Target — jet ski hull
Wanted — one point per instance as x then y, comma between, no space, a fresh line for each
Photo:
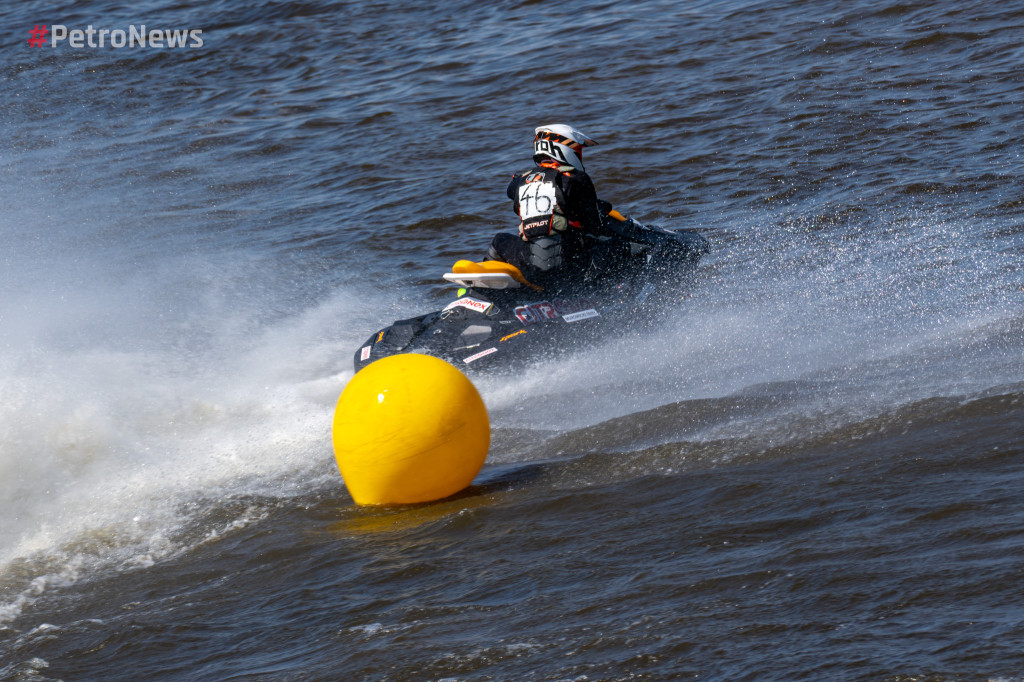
635,279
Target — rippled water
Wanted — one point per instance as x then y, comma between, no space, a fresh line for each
813,471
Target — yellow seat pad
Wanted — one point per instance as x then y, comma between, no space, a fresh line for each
464,266
468,267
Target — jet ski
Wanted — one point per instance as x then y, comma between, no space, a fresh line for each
500,320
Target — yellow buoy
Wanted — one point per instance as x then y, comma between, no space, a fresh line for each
409,428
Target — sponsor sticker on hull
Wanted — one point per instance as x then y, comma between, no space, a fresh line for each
581,315
470,303
645,292
512,335
479,355
545,311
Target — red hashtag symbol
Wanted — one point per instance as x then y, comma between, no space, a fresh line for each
38,34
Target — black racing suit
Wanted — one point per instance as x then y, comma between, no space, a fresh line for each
557,206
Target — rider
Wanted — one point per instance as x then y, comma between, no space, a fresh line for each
556,203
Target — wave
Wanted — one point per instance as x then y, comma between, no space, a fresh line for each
138,398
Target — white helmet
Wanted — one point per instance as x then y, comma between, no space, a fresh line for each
562,143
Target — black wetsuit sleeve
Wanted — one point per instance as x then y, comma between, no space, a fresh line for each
513,191
581,195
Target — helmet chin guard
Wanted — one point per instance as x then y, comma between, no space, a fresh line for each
562,143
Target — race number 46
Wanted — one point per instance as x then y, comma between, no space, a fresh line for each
536,199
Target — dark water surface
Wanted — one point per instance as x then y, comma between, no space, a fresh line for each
814,470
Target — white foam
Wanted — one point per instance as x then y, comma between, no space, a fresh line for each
889,321
135,399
